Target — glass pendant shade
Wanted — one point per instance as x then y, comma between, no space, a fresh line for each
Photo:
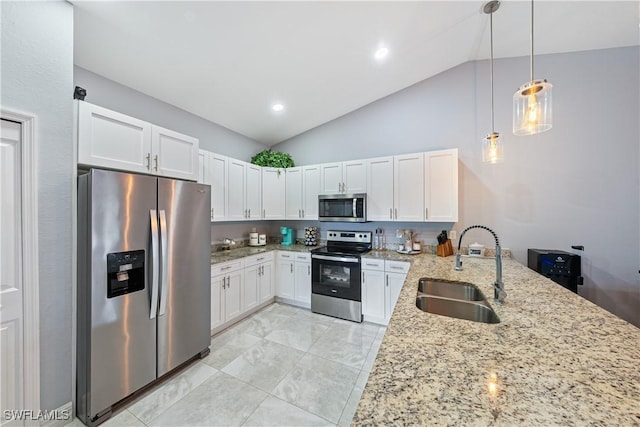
492,148
532,108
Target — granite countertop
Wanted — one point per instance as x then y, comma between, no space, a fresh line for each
555,358
245,251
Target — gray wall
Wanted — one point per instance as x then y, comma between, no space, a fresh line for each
37,77
213,137
575,184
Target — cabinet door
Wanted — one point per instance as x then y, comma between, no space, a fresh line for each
408,187
354,176
273,193
218,166
441,185
373,295
310,191
217,300
293,198
251,287
285,279
113,140
253,194
235,190
233,294
266,281
331,178
302,290
174,155
380,189
203,167
394,284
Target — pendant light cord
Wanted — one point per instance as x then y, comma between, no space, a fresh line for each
531,42
491,67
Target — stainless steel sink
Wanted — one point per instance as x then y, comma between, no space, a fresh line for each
456,290
467,310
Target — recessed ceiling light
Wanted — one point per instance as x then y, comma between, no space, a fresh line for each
381,53
277,107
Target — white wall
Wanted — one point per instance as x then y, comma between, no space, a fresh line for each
37,77
213,137
576,184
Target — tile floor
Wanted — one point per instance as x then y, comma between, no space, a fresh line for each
283,366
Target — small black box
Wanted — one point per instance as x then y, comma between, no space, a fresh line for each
560,266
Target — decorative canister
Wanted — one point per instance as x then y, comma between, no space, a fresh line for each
476,249
311,236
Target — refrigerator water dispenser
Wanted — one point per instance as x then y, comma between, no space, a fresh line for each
125,273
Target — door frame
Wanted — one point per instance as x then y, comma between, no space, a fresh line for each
30,273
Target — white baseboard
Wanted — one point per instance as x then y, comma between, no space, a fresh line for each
59,420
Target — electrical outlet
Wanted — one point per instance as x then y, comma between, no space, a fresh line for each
453,234
399,234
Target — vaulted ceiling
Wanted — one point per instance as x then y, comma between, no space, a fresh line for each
229,62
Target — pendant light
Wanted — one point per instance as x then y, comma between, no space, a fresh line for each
492,144
532,102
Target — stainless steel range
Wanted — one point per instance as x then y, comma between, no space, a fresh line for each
336,272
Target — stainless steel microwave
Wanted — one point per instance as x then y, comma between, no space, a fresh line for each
342,207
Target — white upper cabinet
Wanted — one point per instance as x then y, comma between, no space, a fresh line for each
253,192
310,191
380,189
236,189
113,140
343,177
217,173
293,196
273,193
441,185
203,167
408,187
174,154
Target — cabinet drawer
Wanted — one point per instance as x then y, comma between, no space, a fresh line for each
226,267
372,264
285,255
397,267
304,257
258,259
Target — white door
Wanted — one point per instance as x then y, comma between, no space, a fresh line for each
303,282
174,155
273,193
285,279
113,140
218,166
11,289
331,178
293,198
355,176
203,167
251,287
408,187
441,185
233,295
253,193
236,190
373,293
395,281
310,191
266,281
380,189
217,301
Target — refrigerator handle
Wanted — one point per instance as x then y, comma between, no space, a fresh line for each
155,262
165,263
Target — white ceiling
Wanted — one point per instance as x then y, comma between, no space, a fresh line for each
228,62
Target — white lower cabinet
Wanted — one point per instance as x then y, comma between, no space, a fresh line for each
382,282
293,278
258,278
227,282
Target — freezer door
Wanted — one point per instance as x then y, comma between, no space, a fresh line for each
185,305
121,341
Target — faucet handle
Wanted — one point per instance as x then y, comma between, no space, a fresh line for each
458,266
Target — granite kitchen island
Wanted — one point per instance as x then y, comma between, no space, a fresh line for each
554,358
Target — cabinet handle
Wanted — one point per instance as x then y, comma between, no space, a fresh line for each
387,280
155,159
395,267
373,265
299,213
302,213
148,161
249,213
260,259
211,213
224,283
264,213
292,267
309,270
225,268
262,269
396,210
363,277
426,213
390,213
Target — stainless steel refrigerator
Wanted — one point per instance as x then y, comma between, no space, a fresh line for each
143,283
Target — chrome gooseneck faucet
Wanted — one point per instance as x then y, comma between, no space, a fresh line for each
499,293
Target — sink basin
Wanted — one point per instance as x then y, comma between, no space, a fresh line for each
467,310
455,290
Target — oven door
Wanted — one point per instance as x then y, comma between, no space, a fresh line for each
336,276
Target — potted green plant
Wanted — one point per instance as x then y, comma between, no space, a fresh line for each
273,159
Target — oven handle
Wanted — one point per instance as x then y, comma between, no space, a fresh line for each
333,258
